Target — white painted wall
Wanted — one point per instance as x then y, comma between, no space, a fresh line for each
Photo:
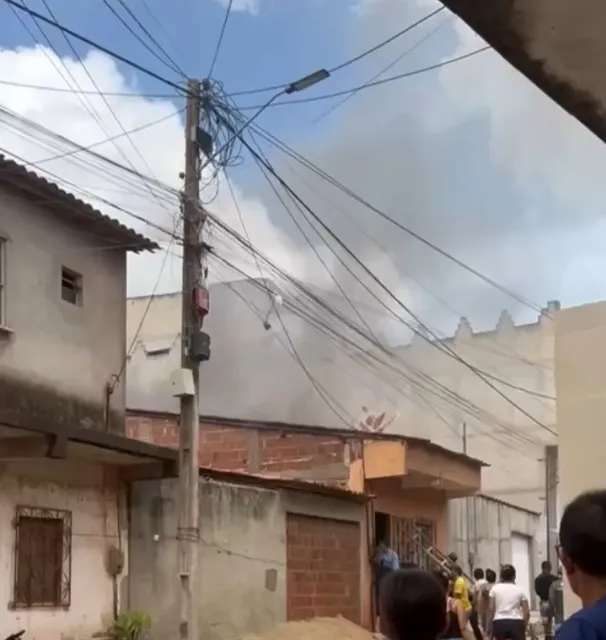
90,492
493,528
69,348
521,560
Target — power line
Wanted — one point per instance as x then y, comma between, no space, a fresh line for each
313,318
95,45
389,40
350,61
301,159
137,37
111,94
89,147
440,346
376,83
384,70
221,36
175,66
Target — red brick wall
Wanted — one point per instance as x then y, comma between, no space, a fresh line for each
322,568
227,448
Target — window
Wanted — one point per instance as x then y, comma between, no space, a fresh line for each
2,282
71,286
42,558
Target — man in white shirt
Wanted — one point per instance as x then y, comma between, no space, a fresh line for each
509,609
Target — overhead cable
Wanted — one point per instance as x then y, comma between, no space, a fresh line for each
428,338
350,61
95,45
289,151
221,36
389,40
368,85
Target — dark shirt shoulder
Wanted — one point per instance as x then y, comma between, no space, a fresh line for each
542,583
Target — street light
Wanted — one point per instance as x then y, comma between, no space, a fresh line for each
307,81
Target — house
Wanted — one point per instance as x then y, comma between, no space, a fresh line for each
580,352
62,350
62,305
252,376
271,550
411,479
64,526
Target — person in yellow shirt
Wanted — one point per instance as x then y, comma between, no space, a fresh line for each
460,590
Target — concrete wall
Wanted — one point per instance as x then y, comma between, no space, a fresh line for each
484,526
59,357
242,555
580,351
91,493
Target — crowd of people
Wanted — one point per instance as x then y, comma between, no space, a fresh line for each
414,604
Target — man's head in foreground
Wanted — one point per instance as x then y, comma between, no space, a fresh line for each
582,547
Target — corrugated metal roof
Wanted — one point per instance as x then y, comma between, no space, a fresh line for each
264,482
19,177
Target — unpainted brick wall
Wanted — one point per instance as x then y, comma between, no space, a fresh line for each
228,448
322,568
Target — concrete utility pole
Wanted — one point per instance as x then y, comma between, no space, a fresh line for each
468,528
551,502
191,323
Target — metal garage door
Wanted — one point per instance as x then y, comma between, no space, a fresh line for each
322,568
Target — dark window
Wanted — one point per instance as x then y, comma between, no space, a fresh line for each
42,558
71,286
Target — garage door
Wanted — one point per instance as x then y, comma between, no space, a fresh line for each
520,559
322,568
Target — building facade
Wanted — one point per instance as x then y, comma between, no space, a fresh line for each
62,346
62,305
581,391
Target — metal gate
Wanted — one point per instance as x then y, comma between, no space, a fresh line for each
403,543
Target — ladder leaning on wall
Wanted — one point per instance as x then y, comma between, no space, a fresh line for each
439,560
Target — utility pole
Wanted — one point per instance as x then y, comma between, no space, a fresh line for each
551,502
470,559
191,324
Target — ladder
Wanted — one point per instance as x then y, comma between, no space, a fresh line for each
440,560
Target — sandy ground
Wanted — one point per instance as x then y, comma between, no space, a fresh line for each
315,629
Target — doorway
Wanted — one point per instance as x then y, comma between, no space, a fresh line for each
382,528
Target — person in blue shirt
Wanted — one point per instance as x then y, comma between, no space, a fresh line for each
582,552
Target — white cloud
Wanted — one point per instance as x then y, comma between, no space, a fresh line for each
252,6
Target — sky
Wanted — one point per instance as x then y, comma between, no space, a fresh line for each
471,156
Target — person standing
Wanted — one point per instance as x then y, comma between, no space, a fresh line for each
542,584
460,590
480,596
509,610
456,627
385,560
582,552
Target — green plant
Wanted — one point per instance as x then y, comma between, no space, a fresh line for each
131,625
